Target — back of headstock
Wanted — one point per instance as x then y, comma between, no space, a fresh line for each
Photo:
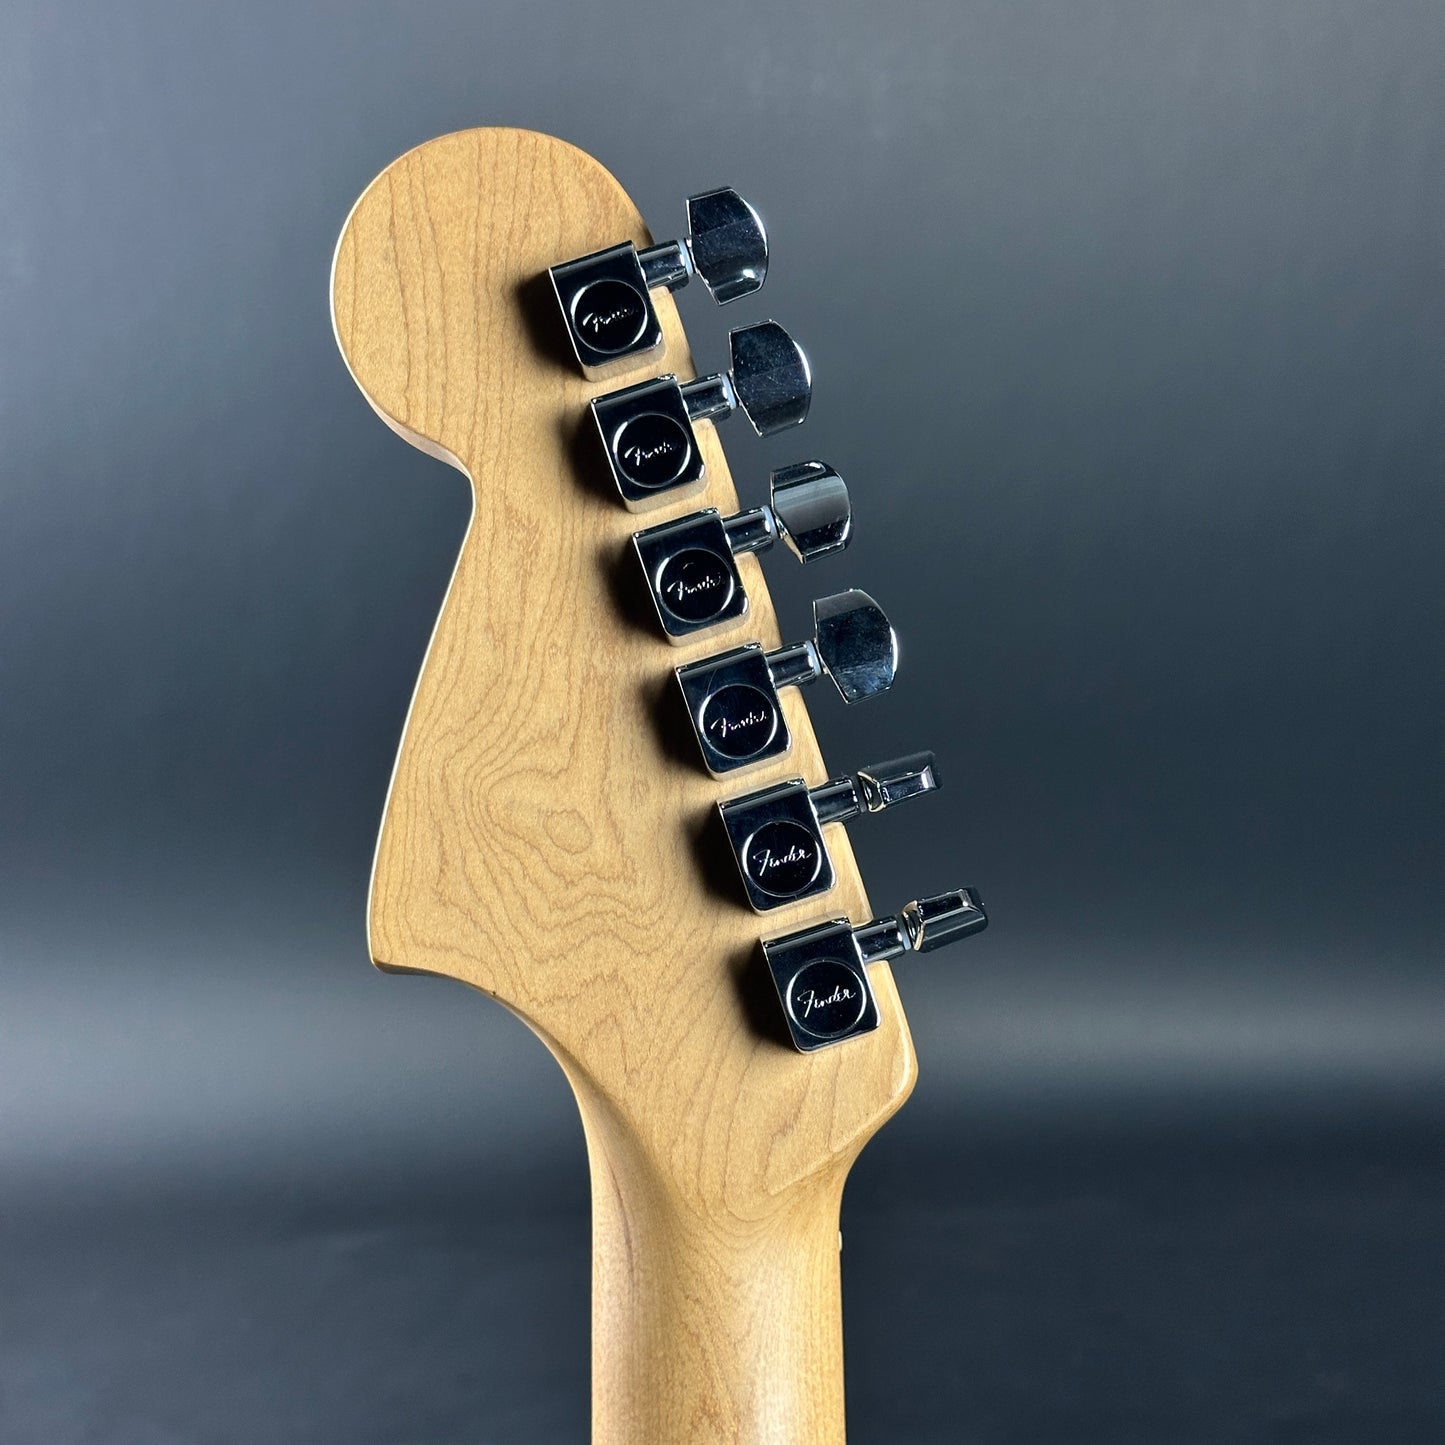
551,837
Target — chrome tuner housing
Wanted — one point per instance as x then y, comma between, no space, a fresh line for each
646,430
689,564
777,836
821,972
604,300
732,698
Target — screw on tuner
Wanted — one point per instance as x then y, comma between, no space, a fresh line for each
732,698
647,429
604,296
777,834
821,973
688,562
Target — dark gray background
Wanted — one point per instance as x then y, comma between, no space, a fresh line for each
1126,323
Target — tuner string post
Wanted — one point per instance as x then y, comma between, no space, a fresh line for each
668,264
837,800
755,530
879,939
795,666
709,398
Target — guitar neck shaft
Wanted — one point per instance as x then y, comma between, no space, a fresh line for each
709,1329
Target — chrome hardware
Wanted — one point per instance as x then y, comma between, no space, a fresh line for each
821,973
857,646
876,787
728,244
604,297
777,834
732,698
647,429
811,510
689,565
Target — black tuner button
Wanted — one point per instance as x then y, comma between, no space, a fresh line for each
604,297
821,972
777,834
646,430
732,698
688,563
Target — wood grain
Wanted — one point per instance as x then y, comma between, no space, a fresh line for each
548,833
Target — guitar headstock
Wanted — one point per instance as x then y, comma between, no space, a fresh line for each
551,836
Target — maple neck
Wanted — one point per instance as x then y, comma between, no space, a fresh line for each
546,833
710,1326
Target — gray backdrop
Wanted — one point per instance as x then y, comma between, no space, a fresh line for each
1126,327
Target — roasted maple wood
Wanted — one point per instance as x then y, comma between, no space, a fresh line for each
546,834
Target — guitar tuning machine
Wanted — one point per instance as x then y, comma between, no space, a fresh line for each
777,834
821,973
688,563
604,296
647,429
732,698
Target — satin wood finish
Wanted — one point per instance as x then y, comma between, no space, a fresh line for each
541,836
